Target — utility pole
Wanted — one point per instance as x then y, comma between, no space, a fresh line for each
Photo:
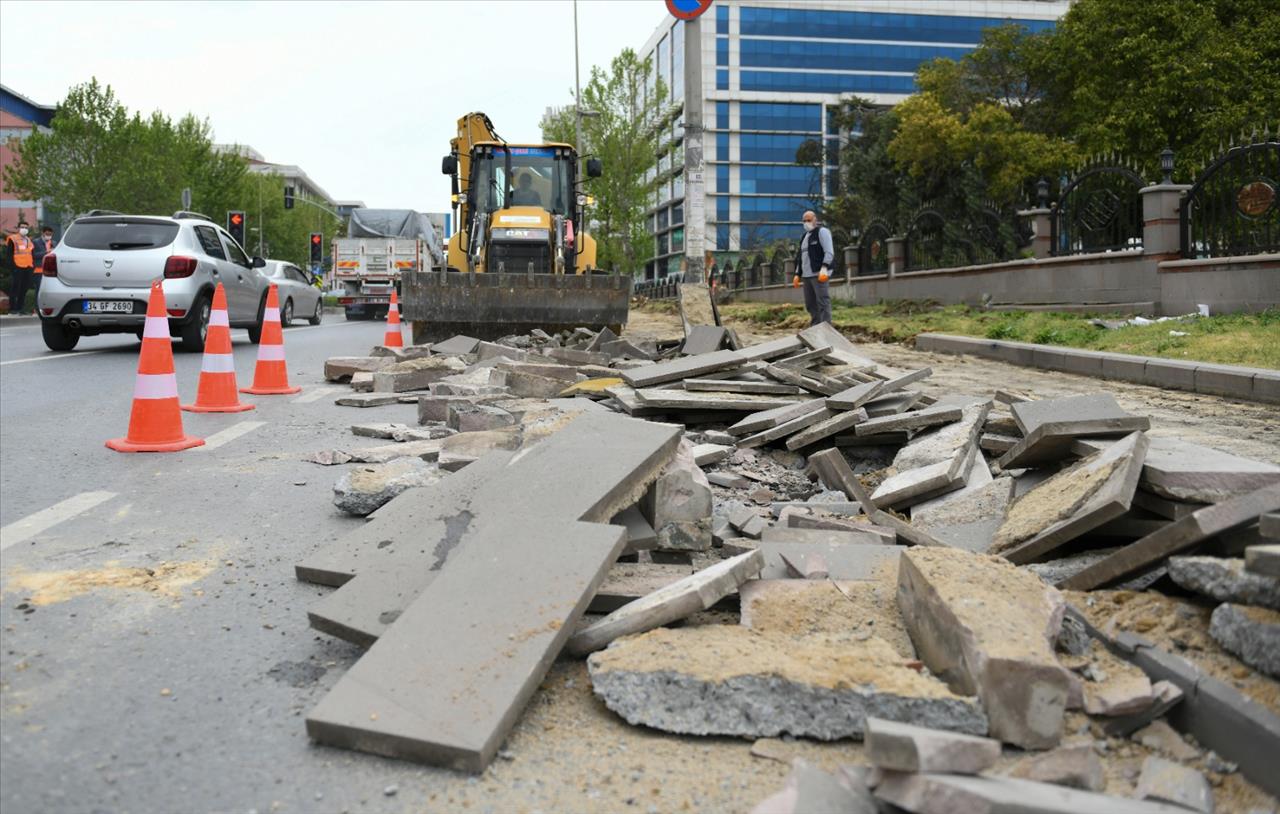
577,93
261,222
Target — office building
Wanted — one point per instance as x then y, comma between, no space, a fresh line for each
750,81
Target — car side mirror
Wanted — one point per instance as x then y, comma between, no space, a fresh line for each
449,165
595,168
257,263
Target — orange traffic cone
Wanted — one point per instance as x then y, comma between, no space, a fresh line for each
271,376
155,424
217,391
393,338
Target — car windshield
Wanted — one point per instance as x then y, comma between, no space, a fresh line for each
539,177
120,234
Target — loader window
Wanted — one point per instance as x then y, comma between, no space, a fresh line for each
547,185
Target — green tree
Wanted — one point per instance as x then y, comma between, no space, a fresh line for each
624,134
286,233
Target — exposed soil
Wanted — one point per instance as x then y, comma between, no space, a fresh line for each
49,587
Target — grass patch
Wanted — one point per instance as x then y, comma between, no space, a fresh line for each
1252,340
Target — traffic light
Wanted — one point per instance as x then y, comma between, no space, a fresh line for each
235,226
317,248
288,197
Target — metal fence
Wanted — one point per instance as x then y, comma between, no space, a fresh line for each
1231,209
1099,210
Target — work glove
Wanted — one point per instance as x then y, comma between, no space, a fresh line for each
795,281
823,274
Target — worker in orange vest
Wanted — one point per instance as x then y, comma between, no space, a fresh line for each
44,246
20,250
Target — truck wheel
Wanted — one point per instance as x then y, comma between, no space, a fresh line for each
286,315
315,319
196,329
57,336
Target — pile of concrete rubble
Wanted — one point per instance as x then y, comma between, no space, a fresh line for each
919,571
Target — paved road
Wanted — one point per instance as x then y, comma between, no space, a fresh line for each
156,655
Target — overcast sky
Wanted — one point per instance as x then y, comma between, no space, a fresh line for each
362,96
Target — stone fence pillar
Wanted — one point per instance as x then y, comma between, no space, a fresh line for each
852,259
1042,228
897,255
1161,230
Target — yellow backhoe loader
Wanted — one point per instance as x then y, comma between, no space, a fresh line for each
519,259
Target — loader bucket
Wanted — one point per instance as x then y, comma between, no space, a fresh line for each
441,304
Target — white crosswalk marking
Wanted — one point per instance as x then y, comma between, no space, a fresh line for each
229,434
31,525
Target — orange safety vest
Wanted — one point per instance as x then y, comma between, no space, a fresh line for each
22,247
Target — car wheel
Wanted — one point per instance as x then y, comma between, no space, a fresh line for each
255,332
315,320
195,330
286,316
57,336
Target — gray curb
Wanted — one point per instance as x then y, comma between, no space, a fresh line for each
1252,383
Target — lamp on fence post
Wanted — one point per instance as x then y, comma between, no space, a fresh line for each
1166,165
1042,193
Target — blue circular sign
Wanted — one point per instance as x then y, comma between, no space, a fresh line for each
687,9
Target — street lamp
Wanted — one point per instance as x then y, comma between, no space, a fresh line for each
1166,164
1042,193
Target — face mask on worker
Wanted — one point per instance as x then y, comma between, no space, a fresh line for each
809,226
48,235
22,230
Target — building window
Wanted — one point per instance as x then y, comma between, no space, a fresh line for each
833,122
833,152
722,238
772,209
722,19
677,240
770,148
677,214
677,187
779,116
662,243
722,115
722,208
722,146
663,63
722,79
869,25
776,180
677,61
662,219
722,178
846,56
761,235
789,82
722,51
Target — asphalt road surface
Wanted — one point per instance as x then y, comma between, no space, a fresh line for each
156,655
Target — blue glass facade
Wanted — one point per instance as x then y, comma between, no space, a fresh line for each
770,77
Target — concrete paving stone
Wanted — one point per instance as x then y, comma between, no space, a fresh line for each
1250,634
883,439
809,790
905,747
1160,736
604,335
1269,525
704,339
1029,415
696,592
366,400
431,433
1133,524
913,419
773,349
687,400
1177,536
970,519
1124,367
729,480
842,560
1077,767
903,489
1162,506
842,350
492,350
362,382
377,430
683,368
834,471
896,383
621,348
626,582
1115,688
468,417
459,345
577,358
960,794
803,521
1263,560
678,503
768,419
788,428
736,386
841,536
1072,502
457,451
805,358
826,428
708,454
626,398
1169,782
1053,441
342,368
934,462
998,645
1171,374
415,374
640,535
1224,380
1226,580
753,527
727,680
428,450
1166,695
855,396
361,490
1194,473
977,477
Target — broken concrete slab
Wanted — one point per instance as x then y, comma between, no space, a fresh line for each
428,450
809,790
998,645
768,419
1052,441
377,430
1171,782
834,471
860,608
961,794
366,400
465,416
457,451
840,560
893,404
729,480
1159,735
921,483
678,503
704,339
1163,506
690,400
361,490
342,368
738,386
896,383
1250,634
1269,525
1072,502
708,454
1076,767
845,352
903,747
835,424
627,581
806,419
913,419
1263,560
934,462
669,604
1114,687
577,358
640,535
532,385
1029,415
855,396
1177,536
773,349
1166,694
1193,473
727,680
969,521
415,374
683,368
844,536
1226,580
456,346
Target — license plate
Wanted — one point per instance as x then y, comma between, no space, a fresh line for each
108,306
378,300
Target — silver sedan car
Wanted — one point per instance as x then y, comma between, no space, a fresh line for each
298,297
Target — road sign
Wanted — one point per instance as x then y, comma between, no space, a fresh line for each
235,226
687,9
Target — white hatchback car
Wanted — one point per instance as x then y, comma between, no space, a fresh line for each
297,295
